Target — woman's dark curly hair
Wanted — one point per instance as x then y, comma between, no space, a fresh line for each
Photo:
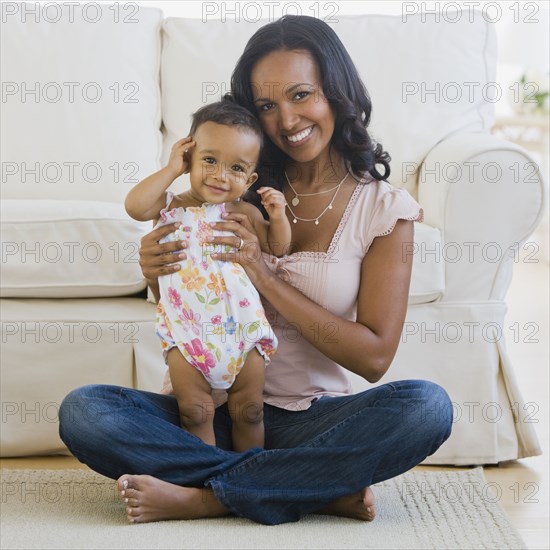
342,87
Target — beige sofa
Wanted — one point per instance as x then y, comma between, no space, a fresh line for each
90,107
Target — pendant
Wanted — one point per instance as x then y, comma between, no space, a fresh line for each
295,201
317,222
294,220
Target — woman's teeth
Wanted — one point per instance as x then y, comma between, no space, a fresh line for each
300,136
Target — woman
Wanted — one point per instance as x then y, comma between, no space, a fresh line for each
337,302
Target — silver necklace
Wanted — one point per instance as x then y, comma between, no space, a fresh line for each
329,207
296,201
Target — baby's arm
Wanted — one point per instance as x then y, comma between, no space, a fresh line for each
275,235
147,198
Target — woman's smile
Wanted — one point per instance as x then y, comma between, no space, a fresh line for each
300,137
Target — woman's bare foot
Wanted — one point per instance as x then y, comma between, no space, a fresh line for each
359,505
150,499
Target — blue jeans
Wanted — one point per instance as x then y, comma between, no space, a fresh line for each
311,458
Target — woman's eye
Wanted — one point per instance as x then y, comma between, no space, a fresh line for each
265,107
301,95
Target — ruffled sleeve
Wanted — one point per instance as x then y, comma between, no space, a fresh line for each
166,215
393,203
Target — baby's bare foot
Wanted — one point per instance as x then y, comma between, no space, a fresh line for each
150,499
359,505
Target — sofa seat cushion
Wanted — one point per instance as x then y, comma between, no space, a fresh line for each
87,249
64,249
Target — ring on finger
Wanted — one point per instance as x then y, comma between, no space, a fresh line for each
241,243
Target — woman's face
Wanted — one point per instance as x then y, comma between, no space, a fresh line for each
291,106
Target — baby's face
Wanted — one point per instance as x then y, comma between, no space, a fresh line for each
223,162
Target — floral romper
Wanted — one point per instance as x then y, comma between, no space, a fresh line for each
209,309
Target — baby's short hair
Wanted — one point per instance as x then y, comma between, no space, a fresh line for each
227,113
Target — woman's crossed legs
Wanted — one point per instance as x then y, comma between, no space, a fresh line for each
352,441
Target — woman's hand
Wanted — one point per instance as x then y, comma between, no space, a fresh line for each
248,252
160,259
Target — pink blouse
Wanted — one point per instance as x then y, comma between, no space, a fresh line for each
298,372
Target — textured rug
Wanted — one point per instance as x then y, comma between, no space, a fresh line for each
79,509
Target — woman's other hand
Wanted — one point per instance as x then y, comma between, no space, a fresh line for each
247,246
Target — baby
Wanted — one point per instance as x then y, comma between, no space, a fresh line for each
212,326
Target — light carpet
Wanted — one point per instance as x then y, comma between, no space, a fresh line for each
80,509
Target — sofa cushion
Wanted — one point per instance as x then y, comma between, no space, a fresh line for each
419,97
80,99
63,249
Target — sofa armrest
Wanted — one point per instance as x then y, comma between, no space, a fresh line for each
486,196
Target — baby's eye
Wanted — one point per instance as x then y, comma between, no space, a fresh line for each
237,168
209,160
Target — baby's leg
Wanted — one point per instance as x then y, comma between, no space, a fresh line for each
246,405
194,397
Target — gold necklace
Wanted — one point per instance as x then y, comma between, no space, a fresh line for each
329,207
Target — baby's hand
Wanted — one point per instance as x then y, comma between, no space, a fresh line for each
273,201
179,161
